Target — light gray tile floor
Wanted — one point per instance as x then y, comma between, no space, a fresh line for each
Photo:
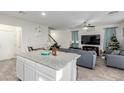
101,72
8,70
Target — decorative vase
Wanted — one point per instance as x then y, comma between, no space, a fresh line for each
54,51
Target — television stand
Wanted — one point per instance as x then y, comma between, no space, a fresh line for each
74,48
91,48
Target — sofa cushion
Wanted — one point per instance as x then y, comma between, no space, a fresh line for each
122,53
108,52
64,50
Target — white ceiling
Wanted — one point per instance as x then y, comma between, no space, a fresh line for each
68,19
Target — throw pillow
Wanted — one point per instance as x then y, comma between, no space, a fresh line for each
122,53
116,52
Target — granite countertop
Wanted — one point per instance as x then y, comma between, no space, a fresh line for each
54,62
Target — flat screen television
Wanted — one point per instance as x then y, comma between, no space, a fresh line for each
90,39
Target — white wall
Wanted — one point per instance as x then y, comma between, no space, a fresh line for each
29,36
120,34
63,37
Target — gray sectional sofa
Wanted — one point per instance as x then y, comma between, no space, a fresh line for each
87,59
115,60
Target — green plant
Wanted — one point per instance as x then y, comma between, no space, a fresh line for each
113,44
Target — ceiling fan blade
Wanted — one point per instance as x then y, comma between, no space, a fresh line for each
90,26
84,23
79,25
51,28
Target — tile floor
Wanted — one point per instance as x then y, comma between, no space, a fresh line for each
101,72
8,70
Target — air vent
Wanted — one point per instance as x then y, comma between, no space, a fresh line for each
51,28
21,12
113,13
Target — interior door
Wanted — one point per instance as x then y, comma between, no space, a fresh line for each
7,44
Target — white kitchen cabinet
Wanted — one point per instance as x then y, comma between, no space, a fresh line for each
25,69
29,73
41,68
20,69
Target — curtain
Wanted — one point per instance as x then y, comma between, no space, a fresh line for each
75,40
109,32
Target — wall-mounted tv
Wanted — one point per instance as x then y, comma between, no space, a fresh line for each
90,39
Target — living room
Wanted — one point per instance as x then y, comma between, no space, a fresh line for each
54,36
76,44
104,31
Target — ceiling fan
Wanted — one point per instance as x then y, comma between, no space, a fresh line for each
86,26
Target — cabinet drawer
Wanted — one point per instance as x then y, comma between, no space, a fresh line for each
46,70
43,77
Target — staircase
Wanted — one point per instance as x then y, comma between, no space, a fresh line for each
55,44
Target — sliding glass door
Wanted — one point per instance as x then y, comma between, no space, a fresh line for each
75,40
109,32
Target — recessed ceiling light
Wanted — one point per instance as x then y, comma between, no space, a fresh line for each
43,14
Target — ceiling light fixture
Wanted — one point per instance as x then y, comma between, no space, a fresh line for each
43,14
85,28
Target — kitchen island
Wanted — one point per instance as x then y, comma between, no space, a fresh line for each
32,66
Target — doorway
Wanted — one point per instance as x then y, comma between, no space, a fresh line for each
10,41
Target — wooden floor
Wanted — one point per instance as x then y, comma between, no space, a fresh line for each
101,72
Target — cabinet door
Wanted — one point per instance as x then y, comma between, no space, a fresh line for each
19,69
29,73
42,77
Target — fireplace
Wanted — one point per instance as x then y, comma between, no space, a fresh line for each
91,48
